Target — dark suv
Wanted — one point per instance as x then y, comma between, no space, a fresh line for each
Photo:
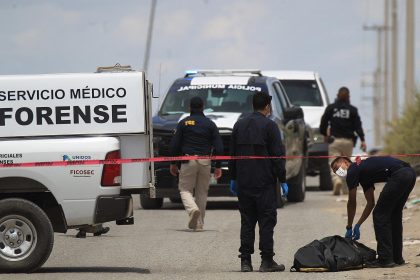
228,96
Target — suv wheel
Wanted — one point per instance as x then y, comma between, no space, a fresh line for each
26,236
297,185
150,203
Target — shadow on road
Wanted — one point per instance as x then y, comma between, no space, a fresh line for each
94,269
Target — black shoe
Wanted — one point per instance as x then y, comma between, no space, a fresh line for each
380,264
246,265
400,262
271,266
81,234
101,231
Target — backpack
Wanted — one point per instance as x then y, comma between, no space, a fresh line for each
333,253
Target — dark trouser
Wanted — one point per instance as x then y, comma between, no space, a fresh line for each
387,215
258,207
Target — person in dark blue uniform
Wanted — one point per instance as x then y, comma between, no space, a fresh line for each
400,179
196,135
255,181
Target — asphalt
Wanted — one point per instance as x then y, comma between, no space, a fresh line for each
158,246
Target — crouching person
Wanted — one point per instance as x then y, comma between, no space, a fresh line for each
399,180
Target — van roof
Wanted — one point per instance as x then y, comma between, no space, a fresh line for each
291,75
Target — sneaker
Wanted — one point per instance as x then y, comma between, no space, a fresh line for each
271,266
101,231
81,234
380,264
246,265
194,215
199,227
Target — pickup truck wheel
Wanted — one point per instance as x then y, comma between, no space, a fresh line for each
26,236
150,203
297,186
325,183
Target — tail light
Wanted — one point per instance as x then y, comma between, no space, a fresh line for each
111,174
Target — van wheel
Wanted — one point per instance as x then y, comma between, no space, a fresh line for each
325,183
26,236
150,203
297,186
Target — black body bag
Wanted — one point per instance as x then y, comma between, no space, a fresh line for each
333,253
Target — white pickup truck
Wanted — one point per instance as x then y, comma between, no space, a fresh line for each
69,117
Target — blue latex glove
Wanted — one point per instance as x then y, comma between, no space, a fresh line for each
232,187
285,189
349,233
356,232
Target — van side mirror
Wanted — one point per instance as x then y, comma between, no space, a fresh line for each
293,113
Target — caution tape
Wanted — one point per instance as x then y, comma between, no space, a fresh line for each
171,159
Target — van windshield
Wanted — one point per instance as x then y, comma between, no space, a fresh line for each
303,92
217,98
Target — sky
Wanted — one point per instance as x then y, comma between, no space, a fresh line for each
63,36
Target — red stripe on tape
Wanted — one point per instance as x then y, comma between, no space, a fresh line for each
163,159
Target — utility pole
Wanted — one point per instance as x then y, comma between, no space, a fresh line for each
409,54
386,69
394,62
377,86
149,35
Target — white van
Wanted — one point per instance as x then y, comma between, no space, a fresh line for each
306,89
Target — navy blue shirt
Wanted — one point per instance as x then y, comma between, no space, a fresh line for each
372,170
343,119
257,135
196,135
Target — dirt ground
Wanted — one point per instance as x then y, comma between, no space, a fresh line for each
411,223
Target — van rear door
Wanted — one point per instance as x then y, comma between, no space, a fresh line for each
139,177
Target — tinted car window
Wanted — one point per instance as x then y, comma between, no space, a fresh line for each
303,92
217,98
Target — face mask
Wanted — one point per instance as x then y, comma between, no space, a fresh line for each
341,172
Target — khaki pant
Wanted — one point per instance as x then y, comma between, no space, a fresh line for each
194,177
340,147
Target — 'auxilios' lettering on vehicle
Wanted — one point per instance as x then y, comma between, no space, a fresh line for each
65,115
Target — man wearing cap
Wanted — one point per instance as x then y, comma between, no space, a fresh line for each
400,179
196,135
254,181
339,123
